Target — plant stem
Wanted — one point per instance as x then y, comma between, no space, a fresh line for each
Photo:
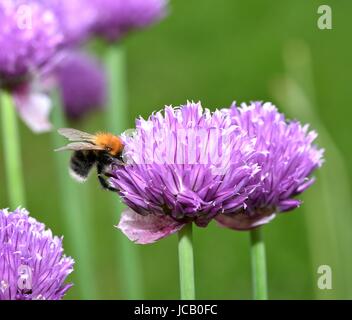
117,122
74,212
186,263
12,151
258,265
117,114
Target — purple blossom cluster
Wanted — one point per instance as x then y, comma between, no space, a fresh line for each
32,264
33,31
30,35
287,157
35,35
239,166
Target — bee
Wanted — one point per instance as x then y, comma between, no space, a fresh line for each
101,150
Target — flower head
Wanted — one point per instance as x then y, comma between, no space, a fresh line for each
184,165
115,18
32,264
287,157
30,36
82,83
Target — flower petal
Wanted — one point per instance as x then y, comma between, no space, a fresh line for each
34,109
147,229
304,186
242,221
289,204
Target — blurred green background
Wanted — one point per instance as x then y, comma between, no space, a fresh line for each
217,52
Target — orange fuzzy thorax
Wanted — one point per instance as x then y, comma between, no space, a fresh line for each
109,142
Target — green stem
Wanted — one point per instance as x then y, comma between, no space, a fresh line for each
117,114
117,122
12,151
130,267
258,265
74,212
186,263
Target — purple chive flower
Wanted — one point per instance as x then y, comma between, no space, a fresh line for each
115,18
30,36
184,165
32,264
82,83
287,157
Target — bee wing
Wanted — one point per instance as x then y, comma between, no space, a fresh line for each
75,135
75,146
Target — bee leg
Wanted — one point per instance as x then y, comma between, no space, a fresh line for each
105,184
101,177
109,175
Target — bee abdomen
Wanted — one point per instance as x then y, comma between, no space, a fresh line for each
81,163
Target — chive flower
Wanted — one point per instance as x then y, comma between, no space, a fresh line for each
115,18
183,165
32,264
287,157
82,84
30,37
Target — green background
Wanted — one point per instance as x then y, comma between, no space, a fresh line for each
217,52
